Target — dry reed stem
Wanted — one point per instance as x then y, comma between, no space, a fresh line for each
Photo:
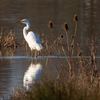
93,63
73,39
69,59
71,49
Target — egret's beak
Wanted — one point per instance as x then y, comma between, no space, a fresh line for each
18,21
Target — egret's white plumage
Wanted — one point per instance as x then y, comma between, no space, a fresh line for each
32,38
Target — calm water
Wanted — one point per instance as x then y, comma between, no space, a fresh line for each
14,70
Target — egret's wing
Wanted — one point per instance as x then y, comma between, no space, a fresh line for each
33,37
33,41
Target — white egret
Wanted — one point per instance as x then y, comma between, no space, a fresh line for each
31,38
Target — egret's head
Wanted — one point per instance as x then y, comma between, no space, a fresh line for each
25,21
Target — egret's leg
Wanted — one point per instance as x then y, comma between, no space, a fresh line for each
35,56
36,60
32,53
36,53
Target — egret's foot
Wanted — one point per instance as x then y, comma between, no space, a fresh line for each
35,57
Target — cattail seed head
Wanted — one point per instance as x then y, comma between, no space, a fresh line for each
61,36
50,24
72,36
80,54
65,26
72,45
75,18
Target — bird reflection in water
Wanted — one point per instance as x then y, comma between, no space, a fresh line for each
32,75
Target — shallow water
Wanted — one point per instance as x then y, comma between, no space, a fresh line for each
14,64
13,72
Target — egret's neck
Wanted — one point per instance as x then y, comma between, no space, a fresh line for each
25,29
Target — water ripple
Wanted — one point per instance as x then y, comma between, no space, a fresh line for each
40,57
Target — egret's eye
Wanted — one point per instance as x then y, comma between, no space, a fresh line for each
22,21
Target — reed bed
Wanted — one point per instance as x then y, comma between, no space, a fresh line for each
8,39
8,43
82,81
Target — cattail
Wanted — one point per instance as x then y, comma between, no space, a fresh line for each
75,18
65,27
50,24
